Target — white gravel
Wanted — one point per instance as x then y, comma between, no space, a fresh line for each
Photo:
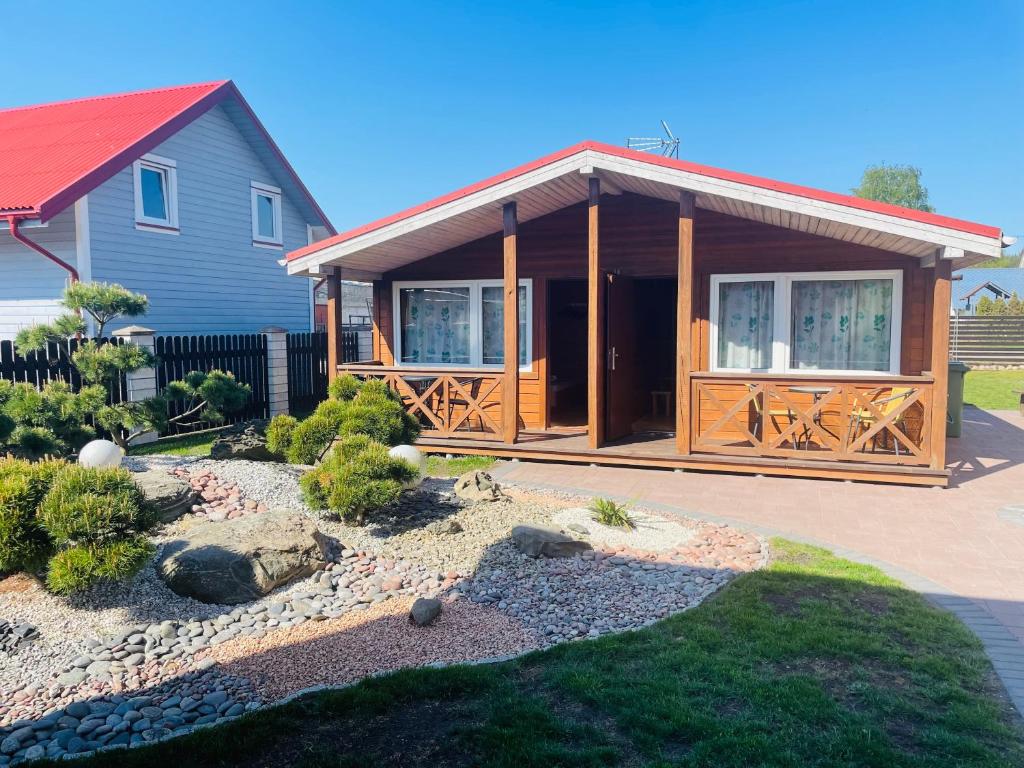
649,532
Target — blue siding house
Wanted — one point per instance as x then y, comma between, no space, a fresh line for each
177,193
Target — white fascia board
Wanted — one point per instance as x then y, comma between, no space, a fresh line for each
920,231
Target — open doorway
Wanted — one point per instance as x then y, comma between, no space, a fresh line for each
641,356
567,352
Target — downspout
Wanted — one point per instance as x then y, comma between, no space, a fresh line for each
12,222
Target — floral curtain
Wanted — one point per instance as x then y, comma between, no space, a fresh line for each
435,325
745,323
841,324
493,313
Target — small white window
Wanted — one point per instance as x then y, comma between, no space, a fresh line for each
266,215
156,194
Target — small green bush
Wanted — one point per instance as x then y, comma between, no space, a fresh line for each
333,410
79,567
93,506
279,434
24,543
378,413
608,512
344,387
310,439
358,478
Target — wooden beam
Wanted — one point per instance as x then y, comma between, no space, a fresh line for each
684,321
335,354
596,343
941,288
510,396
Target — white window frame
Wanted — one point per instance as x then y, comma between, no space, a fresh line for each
476,342
782,319
257,188
169,169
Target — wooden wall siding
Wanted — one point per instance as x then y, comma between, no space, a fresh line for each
639,237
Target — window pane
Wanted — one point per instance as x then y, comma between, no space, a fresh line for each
154,193
745,324
435,325
493,313
842,324
265,216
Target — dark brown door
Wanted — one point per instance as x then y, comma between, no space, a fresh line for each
621,359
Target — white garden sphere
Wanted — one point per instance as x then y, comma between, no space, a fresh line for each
100,454
411,456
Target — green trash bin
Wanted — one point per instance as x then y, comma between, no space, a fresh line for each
955,404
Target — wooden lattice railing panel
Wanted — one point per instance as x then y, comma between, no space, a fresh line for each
879,420
450,403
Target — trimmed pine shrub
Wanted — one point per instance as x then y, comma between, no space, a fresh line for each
333,410
378,413
93,506
316,484
310,439
79,567
279,434
24,543
344,387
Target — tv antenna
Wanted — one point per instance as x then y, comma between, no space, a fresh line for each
667,147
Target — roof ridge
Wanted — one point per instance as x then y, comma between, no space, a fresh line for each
211,85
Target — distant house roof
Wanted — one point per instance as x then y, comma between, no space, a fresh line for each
559,179
1003,281
52,154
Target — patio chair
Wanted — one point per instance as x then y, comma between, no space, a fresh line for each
886,400
774,414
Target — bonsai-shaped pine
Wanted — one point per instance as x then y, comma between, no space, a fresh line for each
204,396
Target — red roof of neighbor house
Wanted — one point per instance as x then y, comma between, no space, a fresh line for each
52,154
667,162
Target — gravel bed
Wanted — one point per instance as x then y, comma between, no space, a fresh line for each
113,666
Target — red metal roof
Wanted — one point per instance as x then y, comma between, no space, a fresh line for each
52,154
667,162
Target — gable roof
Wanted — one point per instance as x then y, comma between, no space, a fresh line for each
52,154
558,179
1006,280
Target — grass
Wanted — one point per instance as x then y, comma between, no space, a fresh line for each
994,390
439,466
813,662
187,445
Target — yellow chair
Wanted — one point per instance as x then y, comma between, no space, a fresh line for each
773,414
886,400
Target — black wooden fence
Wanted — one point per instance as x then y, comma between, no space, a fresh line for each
307,371
987,340
37,368
244,355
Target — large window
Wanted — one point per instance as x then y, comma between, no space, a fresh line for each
825,322
458,323
156,193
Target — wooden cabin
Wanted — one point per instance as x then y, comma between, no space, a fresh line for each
666,314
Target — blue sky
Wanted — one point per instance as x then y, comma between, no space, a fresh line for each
380,106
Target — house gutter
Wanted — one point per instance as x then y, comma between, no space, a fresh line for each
12,222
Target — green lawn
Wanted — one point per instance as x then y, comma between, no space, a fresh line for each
188,445
815,661
994,390
439,466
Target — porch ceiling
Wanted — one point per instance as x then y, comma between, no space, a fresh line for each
561,180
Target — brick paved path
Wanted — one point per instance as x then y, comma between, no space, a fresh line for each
961,546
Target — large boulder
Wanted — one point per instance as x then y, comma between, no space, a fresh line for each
546,542
424,611
478,486
247,440
243,559
169,495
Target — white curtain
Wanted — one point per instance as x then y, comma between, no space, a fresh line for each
841,324
435,325
493,324
745,322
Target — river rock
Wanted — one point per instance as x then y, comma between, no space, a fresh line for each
243,559
478,486
244,441
424,611
546,542
169,495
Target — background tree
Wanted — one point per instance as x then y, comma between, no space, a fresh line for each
895,184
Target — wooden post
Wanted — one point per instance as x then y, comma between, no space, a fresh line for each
684,321
335,340
510,396
596,343
941,287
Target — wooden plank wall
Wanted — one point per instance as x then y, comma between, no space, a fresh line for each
639,237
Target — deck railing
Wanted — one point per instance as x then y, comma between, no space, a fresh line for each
451,403
883,420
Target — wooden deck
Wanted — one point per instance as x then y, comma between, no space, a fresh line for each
658,450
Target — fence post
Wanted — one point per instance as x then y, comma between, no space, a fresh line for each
141,384
277,370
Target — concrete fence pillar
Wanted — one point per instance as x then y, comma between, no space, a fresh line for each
141,384
277,369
